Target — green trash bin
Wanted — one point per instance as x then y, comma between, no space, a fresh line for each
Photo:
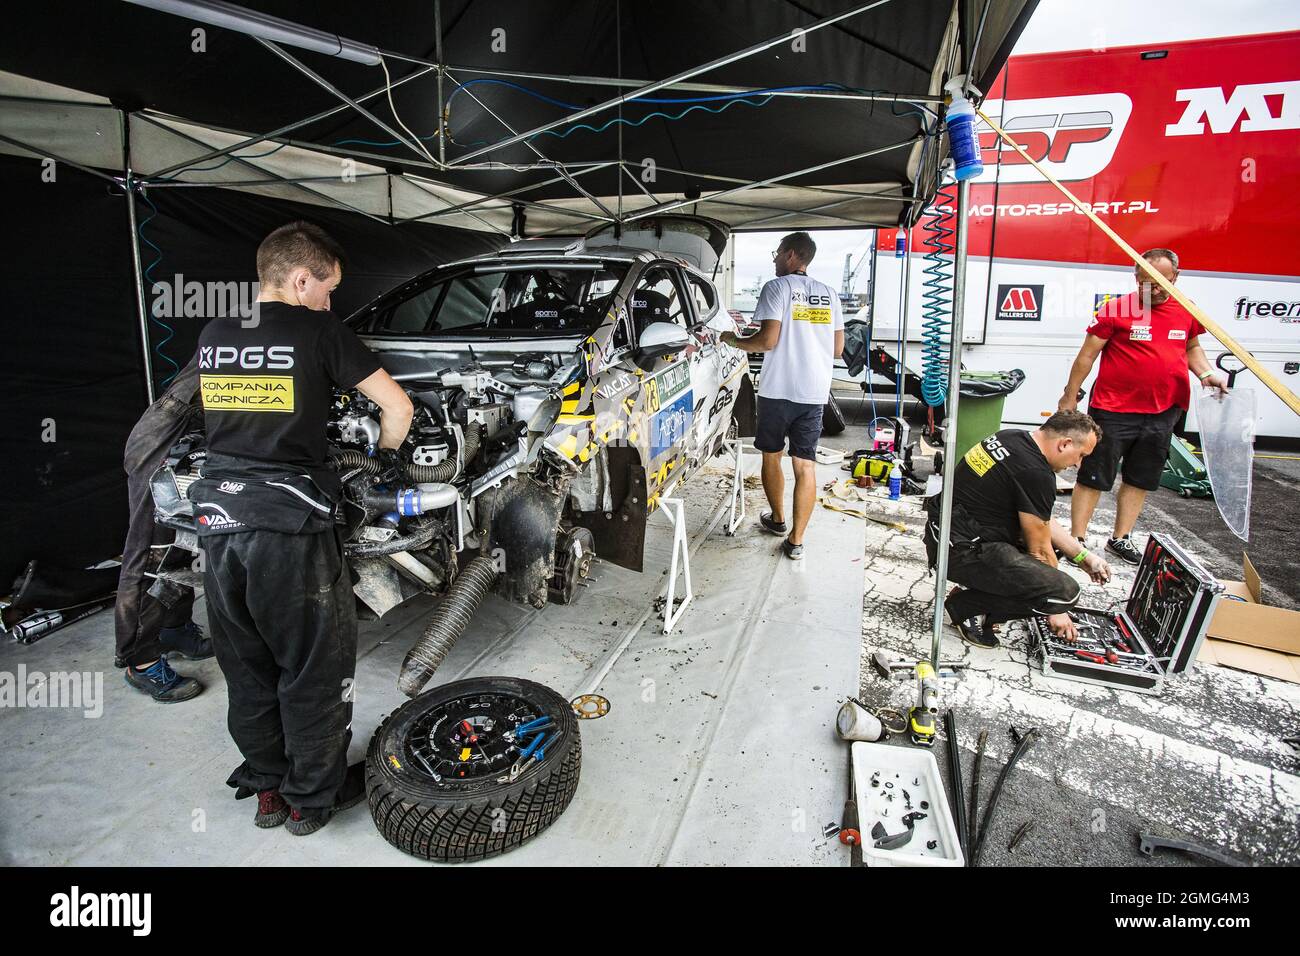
979,413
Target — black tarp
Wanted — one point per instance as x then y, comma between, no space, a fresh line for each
72,361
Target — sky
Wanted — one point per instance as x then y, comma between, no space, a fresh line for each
1056,25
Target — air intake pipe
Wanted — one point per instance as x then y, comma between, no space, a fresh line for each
449,621
409,502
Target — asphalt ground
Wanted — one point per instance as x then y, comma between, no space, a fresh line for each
1201,762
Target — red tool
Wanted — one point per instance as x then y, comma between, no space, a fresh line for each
1110,657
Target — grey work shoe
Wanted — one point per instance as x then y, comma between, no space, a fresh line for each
775,527
162,683
306,821
974,629
1124,549
792,551
271,809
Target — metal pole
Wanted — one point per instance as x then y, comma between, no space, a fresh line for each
904,298
662,84
135,253
950,428
417,148
665,207
442,68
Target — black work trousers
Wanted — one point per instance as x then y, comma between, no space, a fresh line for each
283,622
1003,582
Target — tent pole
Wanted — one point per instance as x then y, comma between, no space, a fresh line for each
665,207
135,253
950,428
442,68
904,300
665,83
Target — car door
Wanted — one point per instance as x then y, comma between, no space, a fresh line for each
710,360
668,386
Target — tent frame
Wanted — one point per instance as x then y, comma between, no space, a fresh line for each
568,172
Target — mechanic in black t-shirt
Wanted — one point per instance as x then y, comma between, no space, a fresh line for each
281,613
1003,536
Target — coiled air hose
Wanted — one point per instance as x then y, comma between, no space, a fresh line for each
446,470
936,312
448,622
348,459
443,471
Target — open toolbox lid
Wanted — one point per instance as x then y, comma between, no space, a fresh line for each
1171,603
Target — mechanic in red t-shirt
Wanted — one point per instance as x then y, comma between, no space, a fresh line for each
1147,342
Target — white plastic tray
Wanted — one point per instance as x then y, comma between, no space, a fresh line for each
900,765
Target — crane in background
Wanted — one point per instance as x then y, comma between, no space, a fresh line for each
852,302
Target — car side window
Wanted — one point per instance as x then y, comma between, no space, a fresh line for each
658,298
706,300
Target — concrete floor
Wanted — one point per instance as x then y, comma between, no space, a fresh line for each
729,759
718,748
1204,761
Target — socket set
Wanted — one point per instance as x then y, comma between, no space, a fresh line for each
1158,632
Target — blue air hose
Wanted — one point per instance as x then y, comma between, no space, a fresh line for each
936,309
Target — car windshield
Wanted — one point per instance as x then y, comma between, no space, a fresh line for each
503,300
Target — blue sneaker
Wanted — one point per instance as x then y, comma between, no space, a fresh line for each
187,642
162,683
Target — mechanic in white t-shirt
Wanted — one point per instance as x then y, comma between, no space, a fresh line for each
802,332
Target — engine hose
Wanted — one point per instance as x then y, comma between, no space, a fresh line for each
936,311
446,470
348,459
418,539
1022,745
449,621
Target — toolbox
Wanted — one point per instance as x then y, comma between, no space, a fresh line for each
1158,632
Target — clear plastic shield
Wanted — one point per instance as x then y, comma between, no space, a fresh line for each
1228,439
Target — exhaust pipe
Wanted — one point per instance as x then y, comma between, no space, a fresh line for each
449,621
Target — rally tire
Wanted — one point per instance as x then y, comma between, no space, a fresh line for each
450,825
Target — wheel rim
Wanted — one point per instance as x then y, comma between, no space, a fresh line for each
470,739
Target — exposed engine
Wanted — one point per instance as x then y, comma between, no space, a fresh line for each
477,504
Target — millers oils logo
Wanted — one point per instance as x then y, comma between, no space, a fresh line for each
1072,137
1023,303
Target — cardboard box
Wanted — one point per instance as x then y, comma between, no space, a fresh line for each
1253,636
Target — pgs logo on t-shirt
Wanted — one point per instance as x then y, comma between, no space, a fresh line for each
810,307
986,454
246,393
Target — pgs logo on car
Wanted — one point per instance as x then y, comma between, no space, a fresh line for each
1072,137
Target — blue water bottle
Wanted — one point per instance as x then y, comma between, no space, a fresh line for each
895,482
962,141
900,244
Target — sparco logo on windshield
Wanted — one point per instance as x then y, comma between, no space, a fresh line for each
1251,105
1072,137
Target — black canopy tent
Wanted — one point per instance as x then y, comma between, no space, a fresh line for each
766,115
821,128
